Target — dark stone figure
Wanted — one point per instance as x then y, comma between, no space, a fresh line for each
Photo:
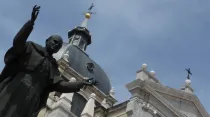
31,73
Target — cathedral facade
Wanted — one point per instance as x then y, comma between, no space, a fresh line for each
149,97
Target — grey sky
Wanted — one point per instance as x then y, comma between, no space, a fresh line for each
168,35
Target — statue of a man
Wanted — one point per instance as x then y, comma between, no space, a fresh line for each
30,73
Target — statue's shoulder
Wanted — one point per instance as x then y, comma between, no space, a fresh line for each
33,44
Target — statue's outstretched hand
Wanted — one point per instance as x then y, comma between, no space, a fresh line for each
34,13
90,82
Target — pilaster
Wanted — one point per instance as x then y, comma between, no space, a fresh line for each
88,111
134,107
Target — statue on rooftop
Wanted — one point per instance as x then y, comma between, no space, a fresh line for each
31,73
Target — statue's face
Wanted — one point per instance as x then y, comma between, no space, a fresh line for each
54,43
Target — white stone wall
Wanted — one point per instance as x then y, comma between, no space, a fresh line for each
118,113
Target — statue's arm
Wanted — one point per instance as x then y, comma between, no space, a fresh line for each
59,85
67,87
22,36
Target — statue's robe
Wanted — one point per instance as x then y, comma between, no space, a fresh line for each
28,78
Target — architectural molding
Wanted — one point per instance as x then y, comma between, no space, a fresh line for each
150,76
163,101
179,94
68,73
139,84
118,106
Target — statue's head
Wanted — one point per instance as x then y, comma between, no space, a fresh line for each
54,43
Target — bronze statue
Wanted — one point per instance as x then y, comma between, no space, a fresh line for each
188,73
31,73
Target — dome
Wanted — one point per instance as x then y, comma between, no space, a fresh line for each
85,66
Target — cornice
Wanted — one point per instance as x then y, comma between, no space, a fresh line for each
163,101
139,84
179,94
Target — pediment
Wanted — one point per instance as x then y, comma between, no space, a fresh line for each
187,103
180,103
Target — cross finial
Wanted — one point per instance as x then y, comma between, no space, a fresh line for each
91,7
87,16
89,13
189,73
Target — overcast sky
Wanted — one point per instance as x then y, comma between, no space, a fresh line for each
168,35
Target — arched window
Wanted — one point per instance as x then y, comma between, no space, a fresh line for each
78,103
81,44
76,40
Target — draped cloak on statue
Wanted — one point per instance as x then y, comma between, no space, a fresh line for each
28,78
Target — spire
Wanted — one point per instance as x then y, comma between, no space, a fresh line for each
84,23
87,16
80,35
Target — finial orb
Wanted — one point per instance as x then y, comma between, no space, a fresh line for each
144,66
87,15
152,73
188,82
